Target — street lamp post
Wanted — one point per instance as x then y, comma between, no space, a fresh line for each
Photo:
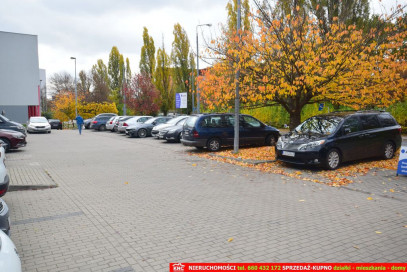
76,92
197,68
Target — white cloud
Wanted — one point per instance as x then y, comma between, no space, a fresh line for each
88,29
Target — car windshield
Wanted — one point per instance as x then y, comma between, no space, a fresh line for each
38,120
150,121
323,125
175,120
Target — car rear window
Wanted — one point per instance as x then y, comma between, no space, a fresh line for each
369,121
387,120
191,121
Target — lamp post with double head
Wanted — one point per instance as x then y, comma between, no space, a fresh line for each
76,92
197,68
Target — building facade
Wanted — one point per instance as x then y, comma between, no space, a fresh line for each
20,94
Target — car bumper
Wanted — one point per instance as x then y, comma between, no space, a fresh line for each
300,157
30,129
4,217
170,136
4,185
197,142
155,134
18,143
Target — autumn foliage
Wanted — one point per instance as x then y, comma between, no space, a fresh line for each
143,96
64,107
292,62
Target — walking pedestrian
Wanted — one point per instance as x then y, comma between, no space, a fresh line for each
79,123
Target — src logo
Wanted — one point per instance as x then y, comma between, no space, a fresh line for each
178,267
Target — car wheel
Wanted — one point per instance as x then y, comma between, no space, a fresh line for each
7,142
179,137
142,133
213,144
102,128
49,131
389,150
333,159
271,140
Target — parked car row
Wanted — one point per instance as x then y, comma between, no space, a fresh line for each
326,140
9,258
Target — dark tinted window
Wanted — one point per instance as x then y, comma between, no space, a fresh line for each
251,122
351,124
369,122
323,125
387,120
212,121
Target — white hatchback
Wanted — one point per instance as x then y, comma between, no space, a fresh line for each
9,259
38,124
132,121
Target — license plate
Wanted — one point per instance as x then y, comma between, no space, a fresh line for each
288,154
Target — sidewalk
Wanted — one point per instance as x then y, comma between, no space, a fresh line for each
27,175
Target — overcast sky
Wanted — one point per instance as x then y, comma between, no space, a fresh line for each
87,29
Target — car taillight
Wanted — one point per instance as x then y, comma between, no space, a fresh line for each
125,124
111,122
95,122
2,192
399,130
195,134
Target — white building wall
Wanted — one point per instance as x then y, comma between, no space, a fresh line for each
19,69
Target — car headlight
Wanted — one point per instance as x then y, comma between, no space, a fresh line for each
171,131
31,126
311,145
20,136
280,143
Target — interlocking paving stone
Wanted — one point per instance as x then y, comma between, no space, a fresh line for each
145,203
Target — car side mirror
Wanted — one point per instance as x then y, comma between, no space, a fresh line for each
347,130
154,123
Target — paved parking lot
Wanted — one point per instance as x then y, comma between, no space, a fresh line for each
138,204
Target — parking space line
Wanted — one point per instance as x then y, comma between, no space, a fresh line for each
46,218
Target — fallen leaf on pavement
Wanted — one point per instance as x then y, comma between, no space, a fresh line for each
370,198
230,240
378,232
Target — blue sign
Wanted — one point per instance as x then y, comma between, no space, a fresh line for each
402,166
321,106
181,100
177,101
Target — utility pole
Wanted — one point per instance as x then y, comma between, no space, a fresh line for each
237,98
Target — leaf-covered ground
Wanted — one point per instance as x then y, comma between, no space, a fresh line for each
347,173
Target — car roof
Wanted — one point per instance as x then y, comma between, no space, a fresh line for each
352,112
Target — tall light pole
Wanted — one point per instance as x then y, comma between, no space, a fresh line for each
237,98
197,68
76,92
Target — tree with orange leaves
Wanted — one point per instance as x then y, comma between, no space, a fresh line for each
290,61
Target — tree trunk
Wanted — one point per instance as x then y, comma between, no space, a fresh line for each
295,119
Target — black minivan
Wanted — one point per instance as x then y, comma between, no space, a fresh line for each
215,130
333,138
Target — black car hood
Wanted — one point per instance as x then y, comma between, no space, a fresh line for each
294,138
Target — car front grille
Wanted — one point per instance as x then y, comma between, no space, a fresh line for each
40,127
